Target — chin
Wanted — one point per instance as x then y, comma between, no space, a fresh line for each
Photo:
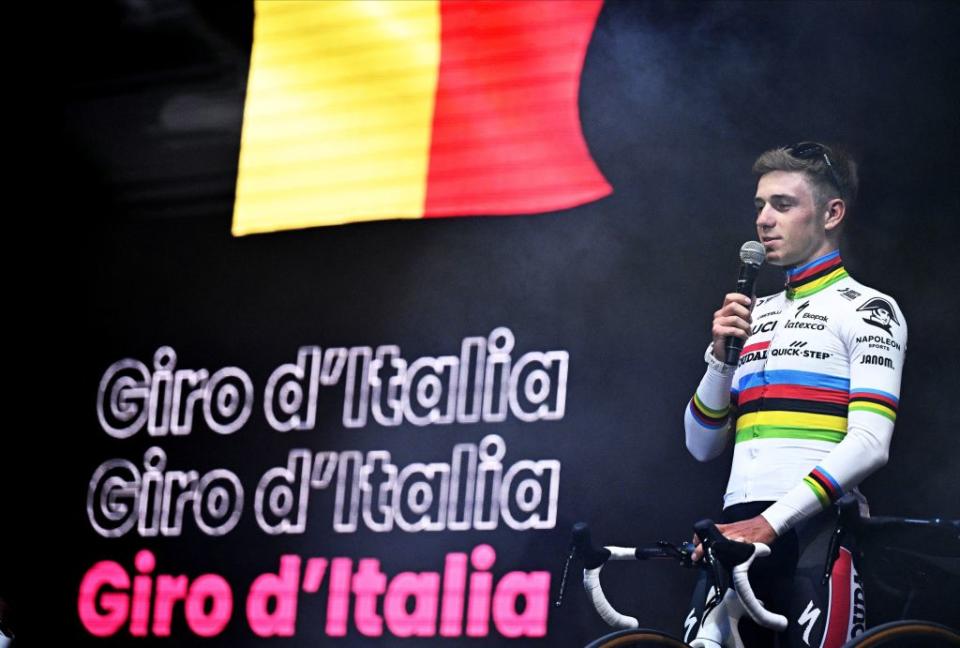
774,258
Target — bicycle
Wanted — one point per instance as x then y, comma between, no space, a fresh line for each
733,596
903,558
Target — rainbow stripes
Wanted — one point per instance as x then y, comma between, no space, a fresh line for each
813,277
824,486
789,404
378,109
876,401
708,418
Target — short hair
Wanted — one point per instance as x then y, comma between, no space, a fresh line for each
814,167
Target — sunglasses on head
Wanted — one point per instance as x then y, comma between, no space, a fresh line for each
811,151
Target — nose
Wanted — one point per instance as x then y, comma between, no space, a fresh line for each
765,218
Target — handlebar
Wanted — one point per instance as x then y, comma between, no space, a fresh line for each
595,558
735,557
731,560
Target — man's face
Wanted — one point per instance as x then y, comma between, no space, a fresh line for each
788,223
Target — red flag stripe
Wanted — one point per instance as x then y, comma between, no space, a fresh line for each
506,133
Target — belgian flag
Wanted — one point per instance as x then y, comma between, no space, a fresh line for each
363,110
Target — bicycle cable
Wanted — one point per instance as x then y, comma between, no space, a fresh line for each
563,578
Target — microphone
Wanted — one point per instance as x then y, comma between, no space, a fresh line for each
751,258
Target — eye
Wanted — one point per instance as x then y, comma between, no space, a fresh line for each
782,205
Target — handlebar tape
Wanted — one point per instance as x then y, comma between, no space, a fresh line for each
753,606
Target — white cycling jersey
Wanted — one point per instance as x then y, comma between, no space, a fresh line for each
814,396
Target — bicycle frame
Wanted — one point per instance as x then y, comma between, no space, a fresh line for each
718,629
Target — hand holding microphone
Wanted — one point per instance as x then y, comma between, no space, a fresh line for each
731,324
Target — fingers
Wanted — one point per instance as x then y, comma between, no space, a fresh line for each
735,304
731,325
733,319
697,549
735,308
736,298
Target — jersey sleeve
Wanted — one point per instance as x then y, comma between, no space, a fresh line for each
707,416
876,341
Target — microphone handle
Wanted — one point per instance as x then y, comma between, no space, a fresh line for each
745,286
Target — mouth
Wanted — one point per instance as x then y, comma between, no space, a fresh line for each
768,240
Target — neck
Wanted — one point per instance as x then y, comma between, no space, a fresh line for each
813,276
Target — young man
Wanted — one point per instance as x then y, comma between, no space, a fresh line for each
811,403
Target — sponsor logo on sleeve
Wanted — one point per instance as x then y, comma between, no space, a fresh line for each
879,342
877,360
881,314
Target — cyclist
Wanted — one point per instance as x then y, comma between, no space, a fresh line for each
811,403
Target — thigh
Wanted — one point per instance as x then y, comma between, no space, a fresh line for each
772,580
824,614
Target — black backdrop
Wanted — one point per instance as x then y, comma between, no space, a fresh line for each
676,100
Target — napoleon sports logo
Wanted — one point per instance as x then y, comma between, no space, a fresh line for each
881,314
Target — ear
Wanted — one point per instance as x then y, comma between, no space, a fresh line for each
834,214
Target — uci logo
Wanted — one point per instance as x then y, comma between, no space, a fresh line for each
766,327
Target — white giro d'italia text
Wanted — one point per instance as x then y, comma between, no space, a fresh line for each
484,382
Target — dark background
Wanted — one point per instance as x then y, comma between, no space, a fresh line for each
676,101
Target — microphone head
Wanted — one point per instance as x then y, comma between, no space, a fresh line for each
752,253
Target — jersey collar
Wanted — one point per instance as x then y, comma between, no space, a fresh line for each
816,275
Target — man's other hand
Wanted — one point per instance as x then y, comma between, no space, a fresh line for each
756,529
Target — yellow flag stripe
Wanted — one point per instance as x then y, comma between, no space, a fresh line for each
337,129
